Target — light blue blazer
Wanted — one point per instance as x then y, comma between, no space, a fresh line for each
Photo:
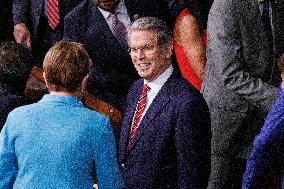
57,143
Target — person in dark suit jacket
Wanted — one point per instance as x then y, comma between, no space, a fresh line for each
89,23
15,68
31,26
240,81
165,133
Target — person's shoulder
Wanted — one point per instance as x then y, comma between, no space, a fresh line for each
93,114
25,108
183,89
135,86
224,5
78,11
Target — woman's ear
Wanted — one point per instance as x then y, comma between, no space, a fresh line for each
84,83
45,80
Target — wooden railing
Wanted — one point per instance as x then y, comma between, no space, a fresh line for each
36,88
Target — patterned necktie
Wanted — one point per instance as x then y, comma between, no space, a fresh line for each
267,22
53,13
140,108
119,30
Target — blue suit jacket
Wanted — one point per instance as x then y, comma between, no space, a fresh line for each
268,149
57,143
171,148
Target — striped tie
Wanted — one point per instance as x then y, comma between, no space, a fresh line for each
119,30
53,13
140,108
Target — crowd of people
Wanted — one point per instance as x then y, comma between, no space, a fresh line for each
198,83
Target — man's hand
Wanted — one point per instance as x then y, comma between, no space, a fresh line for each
22,34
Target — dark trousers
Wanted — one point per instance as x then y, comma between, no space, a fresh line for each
44,39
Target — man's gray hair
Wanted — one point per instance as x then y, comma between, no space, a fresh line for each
164,34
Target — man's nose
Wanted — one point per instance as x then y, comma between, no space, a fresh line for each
140,53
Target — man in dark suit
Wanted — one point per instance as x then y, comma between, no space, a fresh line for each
90,23
15,68
36,27
165,134
240,82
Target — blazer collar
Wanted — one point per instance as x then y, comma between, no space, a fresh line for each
65,100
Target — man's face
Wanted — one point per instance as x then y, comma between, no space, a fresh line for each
149,59
107,5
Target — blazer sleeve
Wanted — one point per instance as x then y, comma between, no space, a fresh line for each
225,49
192,140
267,152
21,11
8,162
107,169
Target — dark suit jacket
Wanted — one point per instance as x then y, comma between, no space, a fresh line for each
112,72
8,102
30,11
171,148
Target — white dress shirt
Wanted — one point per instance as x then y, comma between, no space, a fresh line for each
155,87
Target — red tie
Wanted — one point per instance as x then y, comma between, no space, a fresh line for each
53,13
140,108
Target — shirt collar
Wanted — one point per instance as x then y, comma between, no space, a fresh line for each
161,80
121,9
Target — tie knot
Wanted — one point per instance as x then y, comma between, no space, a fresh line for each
113,15
146,88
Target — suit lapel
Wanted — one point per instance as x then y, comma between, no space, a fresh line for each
156,106
99,26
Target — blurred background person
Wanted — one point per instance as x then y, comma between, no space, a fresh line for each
15,68
38,24
57,142
190,40
268,149
245,40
